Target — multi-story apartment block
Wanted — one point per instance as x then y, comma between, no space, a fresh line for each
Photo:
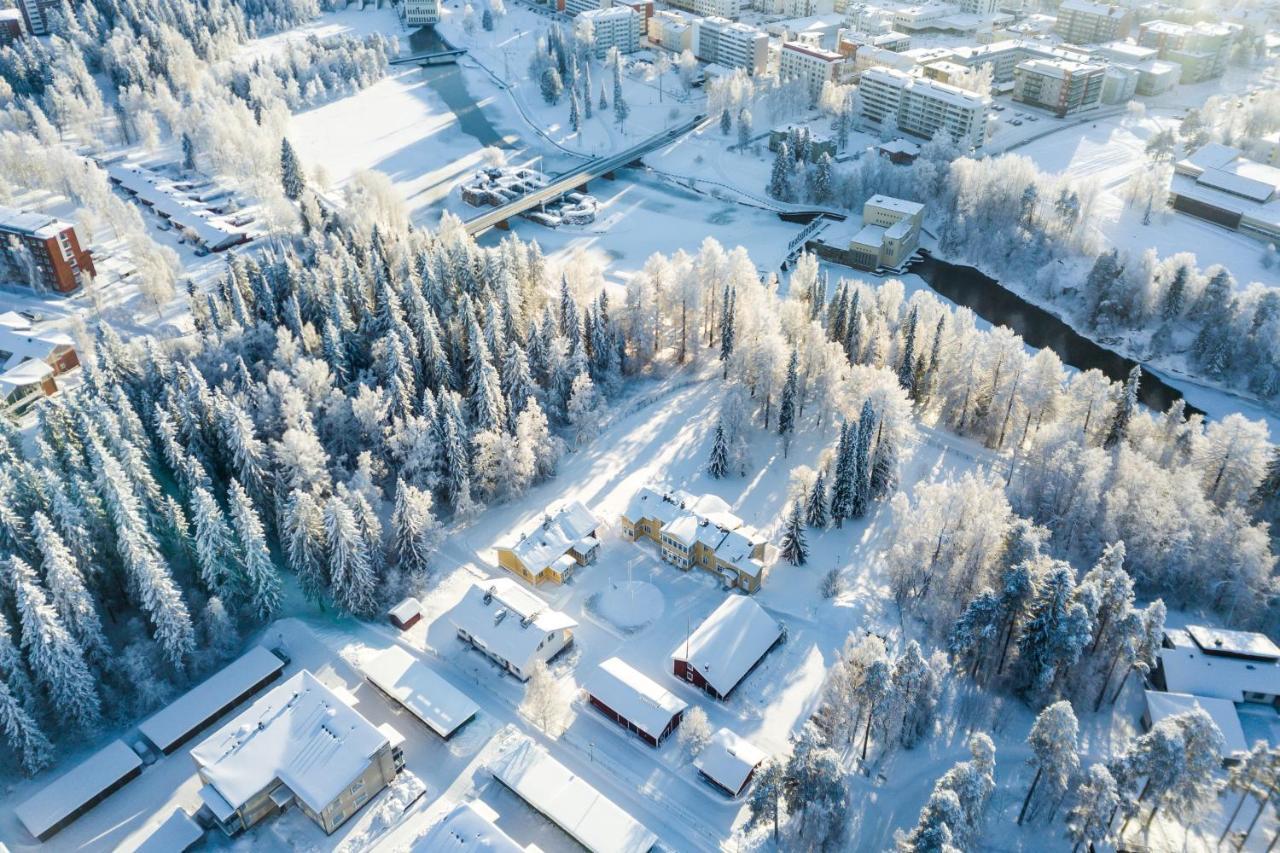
41,251
39,15
617,26
1058,85
10,26
573,8
813,65
1201,49
1004,56
1085,22
731,44
923,107
672,30
420,13
984,8
890,233
710,8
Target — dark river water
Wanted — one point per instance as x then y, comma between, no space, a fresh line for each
999,306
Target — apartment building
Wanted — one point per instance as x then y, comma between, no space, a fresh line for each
730,9
814,65
923,107
573,8
40,251
1085,22
982,8
1058,85
1004,56
420,13
890,233
1200,49
38,15
617,26
10,26
672,30
732,45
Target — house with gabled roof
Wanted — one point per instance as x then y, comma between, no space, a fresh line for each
699,531
554,548
726,646
511,625
634,701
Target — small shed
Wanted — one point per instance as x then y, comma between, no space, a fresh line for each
406,614
634,701
728,762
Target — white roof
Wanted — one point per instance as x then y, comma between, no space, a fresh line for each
898,205
54,802
634,695
555,534
1102,9
194,708
167,199
174,835
651,503
603,14
18,346
1254,181
31,223
870,235
301,733
430,697
729,642
1227,642
467,829
406,609
1192,671
728,760
1161,705
572,804
25,374
511,623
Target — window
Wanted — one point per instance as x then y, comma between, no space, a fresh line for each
357,786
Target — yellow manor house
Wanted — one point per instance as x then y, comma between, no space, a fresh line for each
552,550
699,530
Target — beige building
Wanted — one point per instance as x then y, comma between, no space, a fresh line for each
890,233
814,65
699,531
710,8
299,744
617,26
1201,49
1085,22
1060,86
671,30
923,107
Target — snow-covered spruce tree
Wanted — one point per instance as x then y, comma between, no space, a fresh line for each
1056,632
414,530
815,506
68,591
815,789
214,546
56,659
767,795
842,482
1128,402
291,177
1053,753
873,694
351,578
861,469
260,579
23,734
718,462
304,533
787,405
916,689
794,549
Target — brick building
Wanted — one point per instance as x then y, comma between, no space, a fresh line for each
35,243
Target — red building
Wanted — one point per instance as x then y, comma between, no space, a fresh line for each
35,245
634,701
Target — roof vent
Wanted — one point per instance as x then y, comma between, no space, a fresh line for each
488,595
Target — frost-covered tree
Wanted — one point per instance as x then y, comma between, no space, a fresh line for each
303,529
718,462
214,546
414,529
1053,752
1055,634
351,577
794,549
815,789
815,506
22,733
695,730
68,591
545,701
584,407
916,690
767,795
260,579
1089,821
291,174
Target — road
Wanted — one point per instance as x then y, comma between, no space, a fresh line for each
578,176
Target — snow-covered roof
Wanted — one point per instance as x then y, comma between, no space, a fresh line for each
193,709
634,695
432,699
651,503
898,205
17,345
301,733
174,835
1101,9
1223,641
1223,711
31,223
55,802
1192,671
728,760
469,828
511,621
25,374
570,803
162,196
871,236
729,642
684,528
1254,181
406,609
554,535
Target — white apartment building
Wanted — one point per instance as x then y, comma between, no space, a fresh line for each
984,8
710,8
1086,22
573,8
617,26
731,44
890,233
420,13
923,107
813,65
671,30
